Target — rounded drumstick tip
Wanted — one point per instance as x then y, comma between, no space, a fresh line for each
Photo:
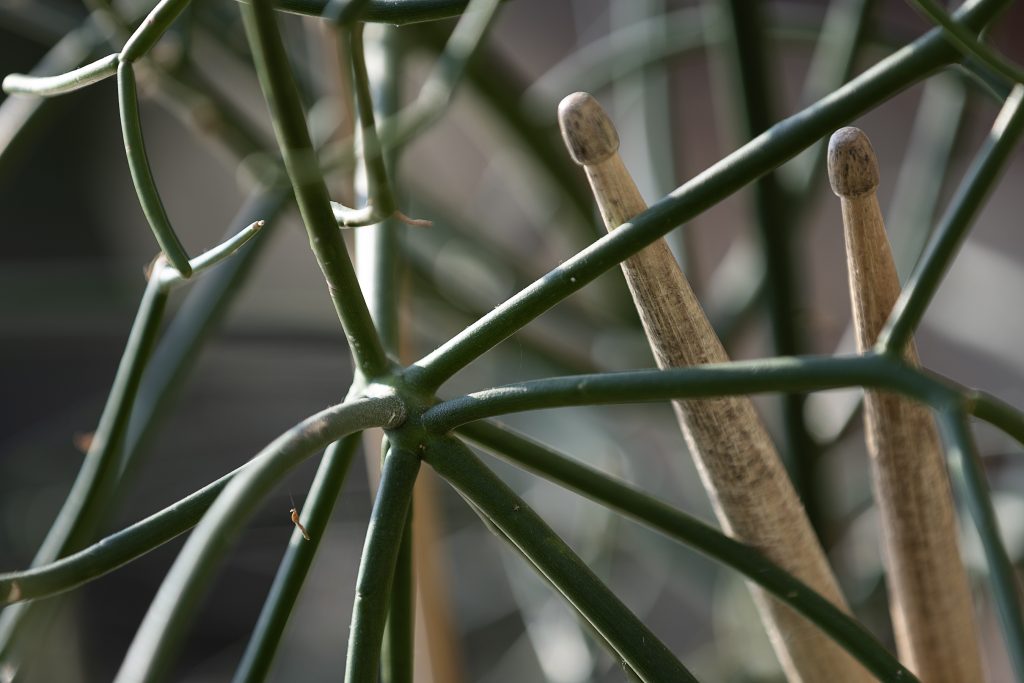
588,132
852,166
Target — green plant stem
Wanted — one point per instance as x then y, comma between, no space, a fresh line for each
965,205
435,95
997,413
629,638
803,374
152,28
169,277
377,566
142,176
152,650
692,532
399,634
768,150
93,72
968,477
113,551
311,195
380,201
967,43
89,496
298,558
396,12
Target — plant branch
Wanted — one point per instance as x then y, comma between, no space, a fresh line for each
803,373
629,638
298,558
678,525
308,184
377,566
142,176
94,72
968,477
970,197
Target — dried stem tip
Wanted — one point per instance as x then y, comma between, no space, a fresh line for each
852,166
589,133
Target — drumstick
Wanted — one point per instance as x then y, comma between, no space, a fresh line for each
929,594
749,489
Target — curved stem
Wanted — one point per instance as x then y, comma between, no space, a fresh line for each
148,659
152,28
765,152
113,551
968,477
170,277
298,558
690,531
293,138
804,373
94,72
142,176
630,640
963,208
377,566
966,42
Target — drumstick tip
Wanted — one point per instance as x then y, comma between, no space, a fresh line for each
588,132
852,166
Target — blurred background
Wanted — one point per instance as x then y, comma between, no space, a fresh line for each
507,205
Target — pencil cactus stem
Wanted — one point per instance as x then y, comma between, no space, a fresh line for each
170,277
142,176
46,86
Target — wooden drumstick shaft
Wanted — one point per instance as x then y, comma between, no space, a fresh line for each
929,594
738,464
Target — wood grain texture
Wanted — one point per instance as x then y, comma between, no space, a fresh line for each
929,594
738,464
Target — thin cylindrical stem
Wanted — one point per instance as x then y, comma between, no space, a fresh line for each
970,197
377,566
930,599
969,478
152,28
629,638
310,191
399,635
142,176
805,373
94,72
678,525
298,558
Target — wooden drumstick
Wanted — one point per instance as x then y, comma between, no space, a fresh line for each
751,493
929,594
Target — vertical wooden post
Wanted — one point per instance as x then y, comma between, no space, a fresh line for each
751,493
929,595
